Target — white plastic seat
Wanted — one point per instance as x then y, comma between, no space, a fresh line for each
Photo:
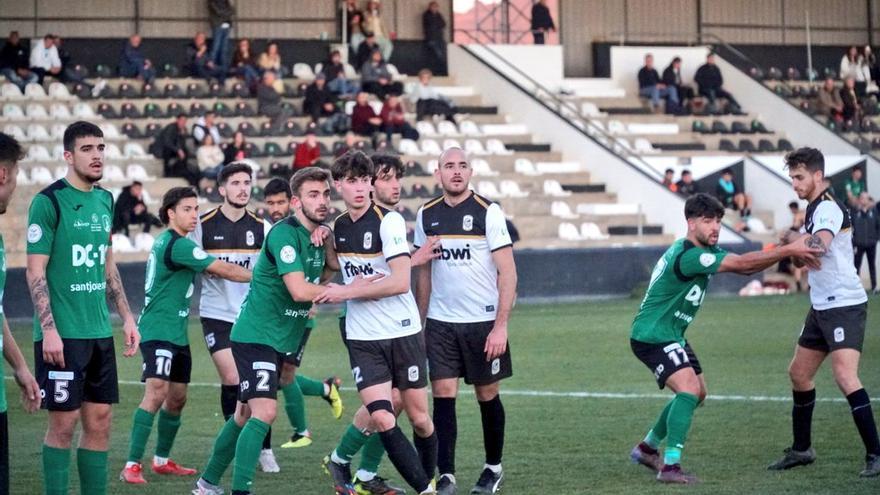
318,68
60,111
488,189
112,152
395,74
303,71
524,166
591,231
621,145
349,107
481,167
37,111
511,189
451,143
557,167
38,153
38,132
58,152
468,128
122,244
447,128
83,110
474,147
642,145
10,91
22,177
143,241
409,147
11,111
496,147
34,91
349,71
57,131
41,175
617,127
426,128
134,150
505,129
58,91
60,172
431,147
377,106
138,172
433,165
569,232
590,109
554,188
561,209
16,131
114,173
110,131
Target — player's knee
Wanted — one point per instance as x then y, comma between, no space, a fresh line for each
421,423
800,379
382,415
848,381
175,404
486,393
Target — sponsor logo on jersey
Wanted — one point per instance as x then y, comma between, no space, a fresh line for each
288,254
413,373
368,240
79,224
105,222
34,233
199,253
89,287
218,237
249,238
464,253
707,259
352,270
297,313
434,224
467,223
77,207
87,255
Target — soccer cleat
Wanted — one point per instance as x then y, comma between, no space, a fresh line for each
268,464
296,441
341,475
794,458
376,486
172,468
446,485
489,482
646,456
872,466
205,488
672,473
333,397
133,474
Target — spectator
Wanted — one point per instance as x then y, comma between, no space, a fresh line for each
650,86
429,101
14,63
172,147
866,233
350,143
793,232
669,180
337,81
394,121
308,153
731,196
130,209
236,150
373,24
269,101
210,158
710,82
319,101
365,51
852,109
200,63
133,63
434,27
244,66
798,216
871,63
220,13
67,74
44,58
686,185
353,19
672,79
205,126
541,21
853,65
270,60
376,79
364,120
855,186
829,102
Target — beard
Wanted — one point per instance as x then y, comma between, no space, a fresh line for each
314,216
388,200
233,204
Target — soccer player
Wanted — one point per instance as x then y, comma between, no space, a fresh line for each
466,295
271,324
382,329
835,324
171,269
10,153
675,293
234,234
71,273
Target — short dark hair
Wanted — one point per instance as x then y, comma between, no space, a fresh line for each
353,163
277,186
727,171
676,59
172,198
702,205
809,158
669,171
685,172
308,174
10,150
80,129
137,183
384,163
233,168
793,204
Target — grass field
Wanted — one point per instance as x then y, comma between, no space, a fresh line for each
577,403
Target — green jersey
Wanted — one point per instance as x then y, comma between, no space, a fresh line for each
2,316
72,227
171,269
677,288
269,315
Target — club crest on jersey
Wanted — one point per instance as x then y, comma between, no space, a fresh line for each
707,259
105,222
368,240
249,238
467,223
288,254
34,233
199,254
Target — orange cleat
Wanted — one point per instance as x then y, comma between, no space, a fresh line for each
133,474
172,468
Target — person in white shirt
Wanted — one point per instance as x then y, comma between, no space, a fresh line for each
428,100
45,59
853,65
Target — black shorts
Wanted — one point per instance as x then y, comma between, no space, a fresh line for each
296,358
666,358
836,328
216,334
258,368
400,361
458,350
166,361
89,374
342,330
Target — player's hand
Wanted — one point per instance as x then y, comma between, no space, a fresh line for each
320,234
132,337
429,251
807,251
30,391
333,294
53,348
496,342
312,312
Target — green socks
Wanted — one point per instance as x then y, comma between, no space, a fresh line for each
295,406
372,454
140,432
223,453
56,470
310,386
167,430
92,467
349,444
678,422
658,431
247,453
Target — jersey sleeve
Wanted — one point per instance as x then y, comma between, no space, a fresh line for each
827,216
284,248
187,253
42,222
392,231
699,261
419,237
496,228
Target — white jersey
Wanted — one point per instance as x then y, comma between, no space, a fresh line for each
234,242
836,284
364,247
464,279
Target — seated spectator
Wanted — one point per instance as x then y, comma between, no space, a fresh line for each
337,81
866,233
205,126
67,73
829,102
365,51
364,120
651,86
853,65
376,79
14,62
130,209
672,79
319,101
210,158
855,186
200,63
429,101
269,102
669,180
270,60
236,150
374,25
731,196
394,121
244,65
308,153
350,143
133,63
686,185
434,28
852,109
711,82
44,58
172,147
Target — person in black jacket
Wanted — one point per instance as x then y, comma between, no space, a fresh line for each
710,81
650,86
672,78
866,233
130,209
541,21
434,26
172,147
319,100
15,63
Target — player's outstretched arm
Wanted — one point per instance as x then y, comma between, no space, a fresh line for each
756,261
116,293
30,391
229,271
53,347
